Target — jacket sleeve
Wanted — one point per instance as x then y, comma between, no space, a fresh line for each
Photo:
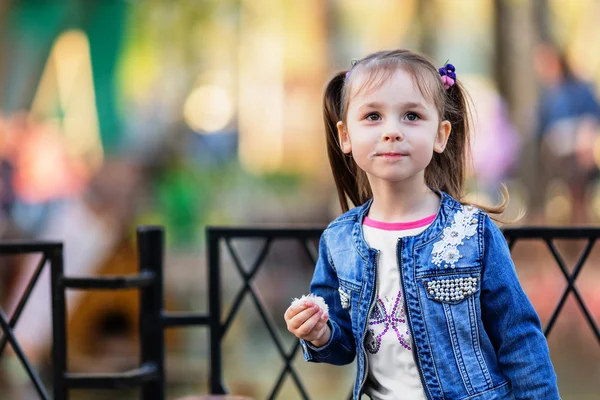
341,348
512,323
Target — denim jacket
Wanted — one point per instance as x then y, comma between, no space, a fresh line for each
475,332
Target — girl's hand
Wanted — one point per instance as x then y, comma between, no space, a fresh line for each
307,321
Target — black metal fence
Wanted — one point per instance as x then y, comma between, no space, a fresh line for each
549,236
218,329
153,319
51,252
150,375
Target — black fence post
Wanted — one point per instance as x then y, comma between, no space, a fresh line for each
214,310
59,324
152,348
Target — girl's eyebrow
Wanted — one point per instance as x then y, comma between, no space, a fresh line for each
409,104
413,104
371,104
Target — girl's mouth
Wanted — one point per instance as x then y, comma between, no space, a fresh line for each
388,155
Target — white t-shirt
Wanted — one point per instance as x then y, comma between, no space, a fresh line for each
392,371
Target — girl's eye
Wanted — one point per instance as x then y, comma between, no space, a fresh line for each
373,117
411,116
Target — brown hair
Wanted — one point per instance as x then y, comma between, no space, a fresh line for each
446,171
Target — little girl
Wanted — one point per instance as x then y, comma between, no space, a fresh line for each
420,287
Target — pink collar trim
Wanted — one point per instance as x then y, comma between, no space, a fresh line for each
399,226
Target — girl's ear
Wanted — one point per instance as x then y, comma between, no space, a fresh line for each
344,137
441,139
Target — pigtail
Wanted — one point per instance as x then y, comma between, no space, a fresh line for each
447,171
351,182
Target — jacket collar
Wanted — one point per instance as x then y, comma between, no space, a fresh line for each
447,205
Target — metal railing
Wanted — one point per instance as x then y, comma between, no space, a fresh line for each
548,236
218,329
51,252
150,375
153,318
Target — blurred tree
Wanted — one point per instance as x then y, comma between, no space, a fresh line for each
103,21
26,40
515,37
517,27
427,11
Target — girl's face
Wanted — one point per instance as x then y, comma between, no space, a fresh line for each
392,130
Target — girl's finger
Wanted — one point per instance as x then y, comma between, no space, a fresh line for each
300,318
308,328
293,310
322,321
316,330
323,329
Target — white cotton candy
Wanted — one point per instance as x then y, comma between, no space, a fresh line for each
318,300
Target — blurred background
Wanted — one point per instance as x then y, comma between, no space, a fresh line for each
188,113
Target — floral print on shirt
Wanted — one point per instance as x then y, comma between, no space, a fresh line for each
382,322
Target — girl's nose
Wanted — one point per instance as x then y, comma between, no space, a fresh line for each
392,136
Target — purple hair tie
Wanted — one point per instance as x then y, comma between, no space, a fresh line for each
353,63
448,75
